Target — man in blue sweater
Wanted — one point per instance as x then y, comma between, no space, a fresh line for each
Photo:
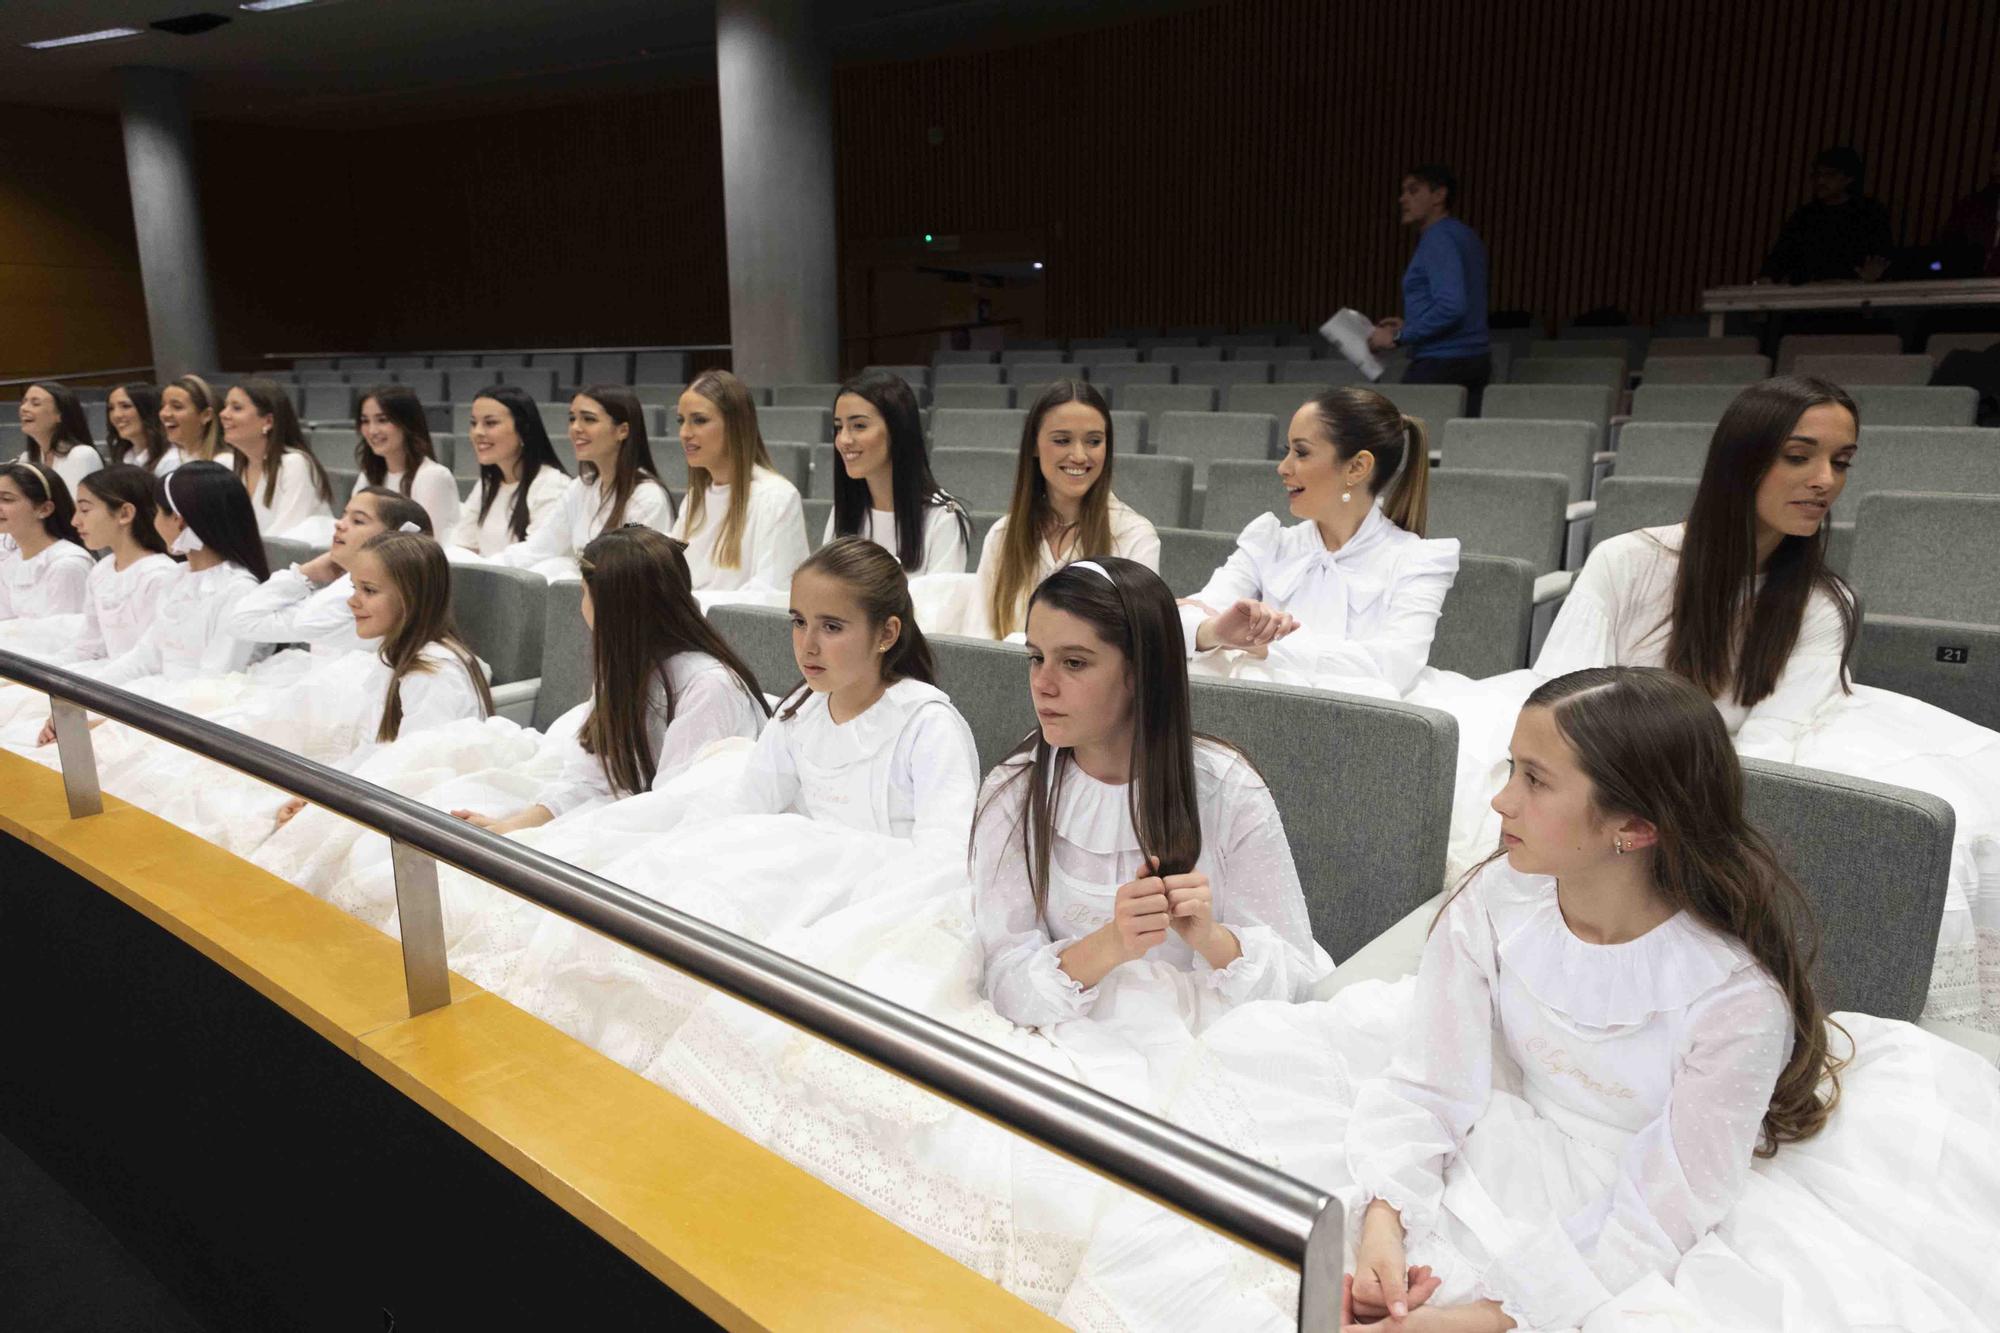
1444,293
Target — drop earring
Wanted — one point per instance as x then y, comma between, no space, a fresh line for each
1345,496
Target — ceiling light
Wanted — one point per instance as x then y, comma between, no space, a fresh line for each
265,6
101,35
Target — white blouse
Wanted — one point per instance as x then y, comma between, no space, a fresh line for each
1133,537
1253,886
51,583
944,540
906,768
186,638
1618,613
1664,1049
774,536
1369,609
288,608
119,605
710,704
434,488
491,535
74,466
296,499
552,548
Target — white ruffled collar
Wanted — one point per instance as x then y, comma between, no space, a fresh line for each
1095,816
1602,985
859,738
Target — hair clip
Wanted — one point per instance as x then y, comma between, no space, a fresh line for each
408,527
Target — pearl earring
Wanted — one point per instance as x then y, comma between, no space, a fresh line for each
1345,496
1620,846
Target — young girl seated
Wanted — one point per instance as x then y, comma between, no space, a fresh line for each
1114,834
43,568
616,483
308,603
289,490
1349,599
114,514
58,433
882,484
1062,509
1610,1091
395,453
134,432
521,481
744,525
666,685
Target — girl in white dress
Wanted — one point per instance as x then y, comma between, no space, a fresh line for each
308,603
1348,599
616,483
289,490
394,451
1114,836
58,433
133,430
882,484
114,514
189,417
43,567
1063,508
1609,1098
744,525
666,685
521,481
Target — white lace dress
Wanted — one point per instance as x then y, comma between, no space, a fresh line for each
1367,612
1617,615
1568,1128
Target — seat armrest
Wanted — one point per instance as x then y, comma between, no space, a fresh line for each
1581,510
1553,586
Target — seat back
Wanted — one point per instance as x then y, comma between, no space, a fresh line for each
1941,345
668,368
982,479
1159,487
1488,613
1108,377
427,385
964,372
791,460
805,395
946,394
762,637
917,377
1432,404
1607,371
501,611
1204,437
1745,345
1865,369
1188,556
1156,400
1929,555
1911,405
1517,514
284,552
326,402
1276,400
977,428
1683,402
1795,345
604,368
1874,861
1663,449
1949,460
1565,448
1182,353
1705,369
567,673
562,364
807,425
1222,373
1082,355
948,356
1238,491
1947,664
1627,503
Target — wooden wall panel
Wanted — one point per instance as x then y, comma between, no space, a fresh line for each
1238,163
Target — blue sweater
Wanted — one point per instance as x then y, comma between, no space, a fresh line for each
1444,294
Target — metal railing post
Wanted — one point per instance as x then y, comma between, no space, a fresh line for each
420,922
79,758
1319,1271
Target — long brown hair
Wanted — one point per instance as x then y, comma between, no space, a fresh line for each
876,579
1355,419
1654,748
635,455
399,403
124,484
1721,635
1133,612
913,489
72,426
422,577
393,509
204,399
746,454
145,400
270,399
644,613
1030,516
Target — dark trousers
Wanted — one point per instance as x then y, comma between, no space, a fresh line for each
1471,371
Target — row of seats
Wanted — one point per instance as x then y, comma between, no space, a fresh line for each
652,366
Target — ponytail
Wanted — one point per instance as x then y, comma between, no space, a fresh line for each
1355,419
1407,502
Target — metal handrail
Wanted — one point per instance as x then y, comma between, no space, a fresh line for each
1295,1223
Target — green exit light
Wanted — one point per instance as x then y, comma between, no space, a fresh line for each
927,238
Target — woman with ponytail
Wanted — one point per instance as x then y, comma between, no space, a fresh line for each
1610,1096
1114,835
1348,599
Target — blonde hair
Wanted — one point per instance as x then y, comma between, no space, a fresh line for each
1029,513
198,391
746,454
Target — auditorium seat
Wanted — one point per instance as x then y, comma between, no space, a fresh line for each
972,395
660,368
1926,568
341,480
1189,555
1108,377
1795,345
1322,374
504,360
1160,487
284,552
1946,460
1848,371
454,361
464,462
1028,392
1147,342
1432,404
555,420
1628,503
427,385
1628,340
917,377
1276,355
1223,373
814,425
1704,403
1181,354
300,377
564,364
1103,356
567,676
464,383
1156,400
1515,514
604,368
1103,344
977,428
1129,432
1550,402
501,611
1606,371
365,364
1663,449
1237,491
326,402
1204,437
790,459
444,448
1042,372
1593,344
965,372
1278,400
1737,370
951,356
1488,617
1941,345
1915,405
1566,448
818,510
804,395
1704,347
538,383
983,479
1015,354
445,416
306,363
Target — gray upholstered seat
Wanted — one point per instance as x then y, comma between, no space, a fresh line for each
977,356
1795,345
790,459
1849,370
1916,405
1658,348
669,368
284,552
1927,570
1433,404
1607,371
804,395
965,372
983,479
564,364
1189,555
604,368
1516,514
1278,400
1156,400
1705,369
427,385
1108,377
812,425
1683,402
1238,491
501,611
977,428
1562,447
762,637
566,668
1663,448
1627,503
1224,373
1160,487
1205,437
917,377
1488,615
946,394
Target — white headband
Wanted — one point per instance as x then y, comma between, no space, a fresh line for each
409,527
1096,569
40,476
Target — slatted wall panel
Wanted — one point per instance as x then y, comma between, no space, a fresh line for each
1238,163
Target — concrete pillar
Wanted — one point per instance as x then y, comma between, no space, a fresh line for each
166,212
776,89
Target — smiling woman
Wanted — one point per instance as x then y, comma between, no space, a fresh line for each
616,483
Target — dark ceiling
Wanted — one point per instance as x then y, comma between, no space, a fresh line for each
419,59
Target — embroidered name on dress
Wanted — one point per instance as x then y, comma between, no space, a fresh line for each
1555,1060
